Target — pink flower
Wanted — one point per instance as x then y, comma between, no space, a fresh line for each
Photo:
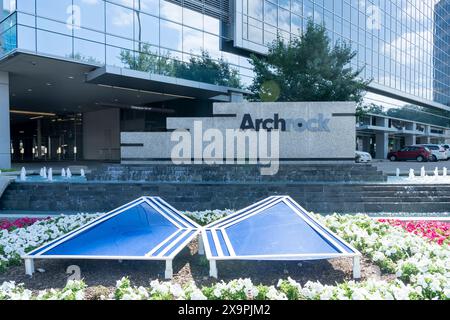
17,224
435,231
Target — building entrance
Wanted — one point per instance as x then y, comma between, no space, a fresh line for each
46,137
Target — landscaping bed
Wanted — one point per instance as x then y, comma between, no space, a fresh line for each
397,264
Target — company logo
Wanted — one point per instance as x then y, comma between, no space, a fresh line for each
319,124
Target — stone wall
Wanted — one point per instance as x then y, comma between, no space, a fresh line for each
320,198
308,131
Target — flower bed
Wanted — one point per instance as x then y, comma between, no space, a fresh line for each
206,217
422,268
14,242
18,223
435,231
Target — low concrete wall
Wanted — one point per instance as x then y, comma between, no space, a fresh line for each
4,183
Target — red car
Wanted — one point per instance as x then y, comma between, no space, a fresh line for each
419,153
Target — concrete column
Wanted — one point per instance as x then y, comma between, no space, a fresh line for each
5,135
382,141
427,133
366,144
39,138
410,140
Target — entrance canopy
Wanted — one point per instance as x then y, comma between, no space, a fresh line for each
276,228
145,229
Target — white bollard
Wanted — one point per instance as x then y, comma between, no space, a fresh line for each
398,172
444,172
411,174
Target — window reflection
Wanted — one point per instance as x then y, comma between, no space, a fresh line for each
119,21
57,10
92,14
402,44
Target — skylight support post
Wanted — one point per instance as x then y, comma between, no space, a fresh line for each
29,267
201,245
213,269
357,267
169,270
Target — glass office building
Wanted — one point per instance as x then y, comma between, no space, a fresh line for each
441,52
51,49
403,46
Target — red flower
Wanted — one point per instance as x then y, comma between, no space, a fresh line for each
16,224
435,231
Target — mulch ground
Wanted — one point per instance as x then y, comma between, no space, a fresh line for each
101,276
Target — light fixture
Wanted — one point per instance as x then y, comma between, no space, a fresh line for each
30,90
139,108
48,84
71,77
36,118
146,91
32,113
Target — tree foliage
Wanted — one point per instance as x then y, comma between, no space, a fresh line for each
307,68
147,61
203,68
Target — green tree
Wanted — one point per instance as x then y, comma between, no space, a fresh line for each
147,61
206,69
307,68
202,69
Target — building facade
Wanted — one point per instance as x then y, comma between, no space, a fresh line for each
76,73
441,52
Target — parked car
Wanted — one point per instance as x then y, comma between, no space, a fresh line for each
447,148
419,153
438,152
363,157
